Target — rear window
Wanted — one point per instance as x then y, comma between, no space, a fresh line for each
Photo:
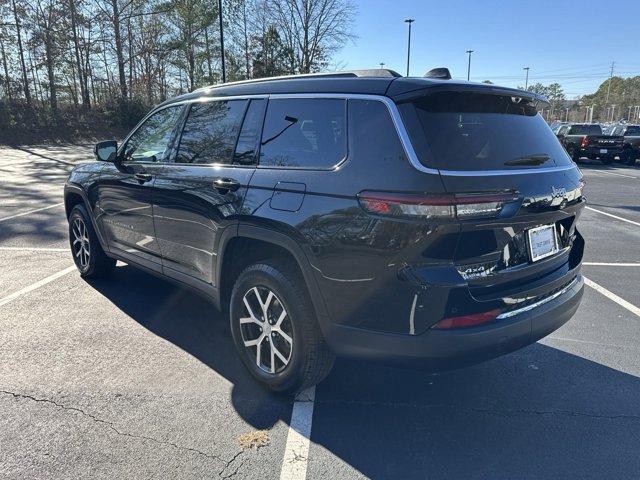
475,131
633,130
585,130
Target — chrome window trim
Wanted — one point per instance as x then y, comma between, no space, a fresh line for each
395,117
183,103
519,171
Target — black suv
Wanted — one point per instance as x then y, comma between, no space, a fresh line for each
412,220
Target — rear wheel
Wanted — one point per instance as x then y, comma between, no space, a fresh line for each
575,156
87,252
275,329
628,157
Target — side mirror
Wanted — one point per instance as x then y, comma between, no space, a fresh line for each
106,151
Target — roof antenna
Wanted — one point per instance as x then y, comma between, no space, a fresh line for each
442,73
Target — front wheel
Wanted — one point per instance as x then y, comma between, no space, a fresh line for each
87,252
275,329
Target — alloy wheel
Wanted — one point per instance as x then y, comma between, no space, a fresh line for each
81,245
267,331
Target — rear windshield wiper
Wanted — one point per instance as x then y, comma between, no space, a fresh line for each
529,160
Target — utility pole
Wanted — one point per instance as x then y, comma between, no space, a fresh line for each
591,116
566,118
609,84
224,73
469,52
409,21
629,114
613,111
526,79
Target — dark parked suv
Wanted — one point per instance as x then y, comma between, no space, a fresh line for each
412,220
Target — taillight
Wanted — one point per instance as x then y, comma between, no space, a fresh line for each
451,206
585,142
465,321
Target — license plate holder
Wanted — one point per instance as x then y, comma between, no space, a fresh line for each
603,150
543,242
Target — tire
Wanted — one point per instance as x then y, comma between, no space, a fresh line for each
576,156
628,157
87,252
308,358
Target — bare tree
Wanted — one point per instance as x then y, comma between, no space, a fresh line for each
313,29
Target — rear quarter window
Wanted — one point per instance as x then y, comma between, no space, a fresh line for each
477,131
304,133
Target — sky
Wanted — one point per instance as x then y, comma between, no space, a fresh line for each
569,42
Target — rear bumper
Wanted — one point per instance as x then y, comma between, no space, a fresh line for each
595,151
449,349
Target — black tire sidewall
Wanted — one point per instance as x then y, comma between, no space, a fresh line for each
271,277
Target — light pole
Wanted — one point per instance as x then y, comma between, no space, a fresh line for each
469,52
224,73
409,21
381,65
526,79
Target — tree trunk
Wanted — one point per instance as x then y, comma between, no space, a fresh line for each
246,40
25,79
206,42
53,96
7,81
82,74
119,54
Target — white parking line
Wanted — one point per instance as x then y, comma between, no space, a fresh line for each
30,212
296,452
614,216
610,264
612,173
32,249
34,286
612,296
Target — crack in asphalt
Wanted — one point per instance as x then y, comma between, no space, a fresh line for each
112,427
230,462
484,411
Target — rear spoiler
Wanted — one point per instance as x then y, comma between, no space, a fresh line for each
530,97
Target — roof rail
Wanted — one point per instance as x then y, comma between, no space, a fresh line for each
372,73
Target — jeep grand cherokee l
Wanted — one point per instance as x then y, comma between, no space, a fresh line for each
411,220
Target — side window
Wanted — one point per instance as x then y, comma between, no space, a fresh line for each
249,137
383,148
210,132
150,142
305,132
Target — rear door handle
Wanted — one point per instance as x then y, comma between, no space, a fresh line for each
142,177
228,184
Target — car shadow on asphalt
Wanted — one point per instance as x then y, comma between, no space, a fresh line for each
537,413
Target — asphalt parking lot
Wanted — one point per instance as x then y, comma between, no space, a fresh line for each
133,377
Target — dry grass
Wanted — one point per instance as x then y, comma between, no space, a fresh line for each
256,439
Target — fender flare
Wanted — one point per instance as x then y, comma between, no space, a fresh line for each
286,242
77,189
